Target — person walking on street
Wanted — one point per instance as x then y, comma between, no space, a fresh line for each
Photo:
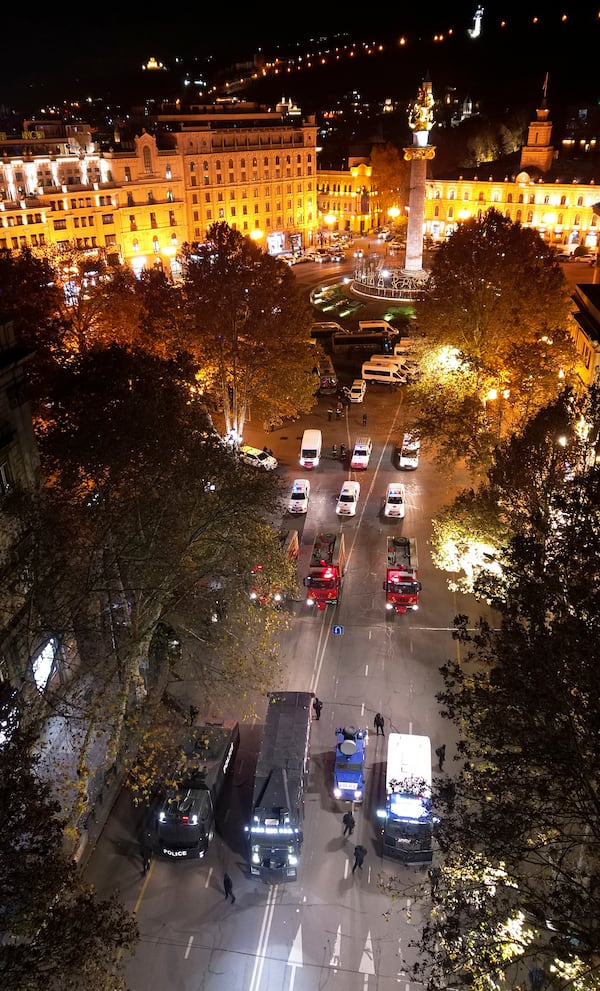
349,823
378,723
338,411
317,706
434,874
364,419
359,857
146,858
441,756
228,887
329,414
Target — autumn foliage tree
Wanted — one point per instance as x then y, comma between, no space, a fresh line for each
145,513
56,931
518,836
249,328
497,299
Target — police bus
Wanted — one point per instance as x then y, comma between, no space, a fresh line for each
407,830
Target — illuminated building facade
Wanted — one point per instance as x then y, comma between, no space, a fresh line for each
136,200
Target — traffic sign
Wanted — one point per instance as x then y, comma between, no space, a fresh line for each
337,631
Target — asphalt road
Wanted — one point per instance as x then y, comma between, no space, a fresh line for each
329,928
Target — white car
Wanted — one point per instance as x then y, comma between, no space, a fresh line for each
361,453
299,496
357,391
408,455
348,499
395,499
257,458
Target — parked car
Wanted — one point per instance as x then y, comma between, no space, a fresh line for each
258,459
395,498
299,496
357,391
348,499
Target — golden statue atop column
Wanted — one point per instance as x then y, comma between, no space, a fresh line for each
420,121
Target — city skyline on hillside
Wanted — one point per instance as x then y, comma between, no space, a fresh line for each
74,64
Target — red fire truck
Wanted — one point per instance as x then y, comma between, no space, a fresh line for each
401,585
326,570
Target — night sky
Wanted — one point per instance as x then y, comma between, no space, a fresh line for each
46,58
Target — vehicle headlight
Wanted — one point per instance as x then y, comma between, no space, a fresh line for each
277,596
310,602
337,793
357,796
162,817
389,605
255,857
194,821
253,595
292,859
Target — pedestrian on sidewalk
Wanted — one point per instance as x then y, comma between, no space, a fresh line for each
349,823
228,887
359,857
440,753
378,723
317,706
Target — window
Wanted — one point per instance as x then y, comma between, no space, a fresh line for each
153,220
155,245
150,196
132,222
168,173
580,201
170,197
147,161
130,199
107,218
171,218
127,174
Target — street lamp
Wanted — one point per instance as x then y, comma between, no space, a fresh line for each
394,213
329,219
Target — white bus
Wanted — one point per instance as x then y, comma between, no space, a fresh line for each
407,830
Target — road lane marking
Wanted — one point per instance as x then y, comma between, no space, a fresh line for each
188,948
295,957
263,939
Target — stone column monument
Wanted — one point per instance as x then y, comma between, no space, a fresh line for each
420,120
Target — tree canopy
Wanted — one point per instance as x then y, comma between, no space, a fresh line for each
519,878
249,327
56,931
497,302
